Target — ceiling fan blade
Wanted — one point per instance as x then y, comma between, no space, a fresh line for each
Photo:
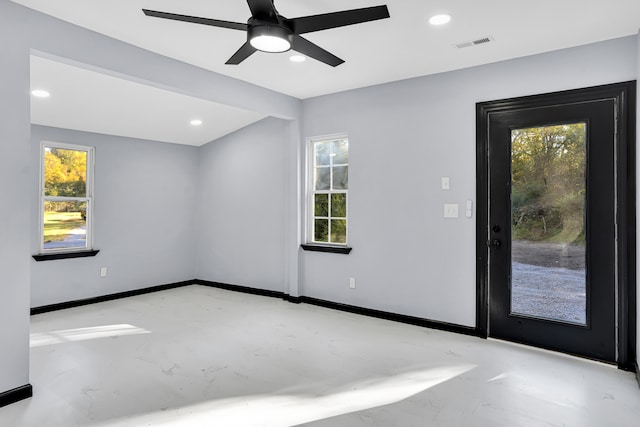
262,9
304,46
245,51
307,24
196,20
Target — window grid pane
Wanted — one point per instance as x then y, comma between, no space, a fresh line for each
321,227
323,178
339,177
339,205
321,205
338,231
340,152
322,154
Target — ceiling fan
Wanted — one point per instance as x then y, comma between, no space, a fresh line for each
268,31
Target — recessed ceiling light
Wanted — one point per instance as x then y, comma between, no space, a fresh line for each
40,93
440,19
196,122
297,58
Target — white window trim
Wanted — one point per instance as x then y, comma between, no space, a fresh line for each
89,197
310,162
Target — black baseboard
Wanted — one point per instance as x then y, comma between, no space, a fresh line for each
292,299
16,395
110,297
243,289
432,324
402,318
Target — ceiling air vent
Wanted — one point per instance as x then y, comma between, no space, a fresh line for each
475,42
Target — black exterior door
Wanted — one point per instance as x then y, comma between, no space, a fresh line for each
552,265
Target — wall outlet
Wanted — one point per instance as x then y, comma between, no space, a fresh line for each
451,210
103,272
352,282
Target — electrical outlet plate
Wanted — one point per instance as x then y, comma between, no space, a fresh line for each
451,210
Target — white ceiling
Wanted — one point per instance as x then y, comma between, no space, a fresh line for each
401,47
88,101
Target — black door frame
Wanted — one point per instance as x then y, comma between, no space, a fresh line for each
625,95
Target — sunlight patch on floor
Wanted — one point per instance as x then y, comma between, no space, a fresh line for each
301,405
38,339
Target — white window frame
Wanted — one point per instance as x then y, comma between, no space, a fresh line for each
88,198
311,191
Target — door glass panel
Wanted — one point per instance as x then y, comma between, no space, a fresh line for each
547,222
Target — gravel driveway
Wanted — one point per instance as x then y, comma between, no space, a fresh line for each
549,281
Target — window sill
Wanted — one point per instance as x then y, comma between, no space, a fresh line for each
65,255
325,248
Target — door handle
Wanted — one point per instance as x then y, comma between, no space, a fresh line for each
494,243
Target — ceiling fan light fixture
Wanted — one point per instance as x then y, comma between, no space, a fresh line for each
270,44
267,38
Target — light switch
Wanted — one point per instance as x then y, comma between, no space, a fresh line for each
451,210
445,182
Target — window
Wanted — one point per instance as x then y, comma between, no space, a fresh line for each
66,202
329,184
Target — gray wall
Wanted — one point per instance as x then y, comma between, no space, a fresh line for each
15,219
145,197
404,137
241,210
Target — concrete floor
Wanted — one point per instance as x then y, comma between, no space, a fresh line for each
198,356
